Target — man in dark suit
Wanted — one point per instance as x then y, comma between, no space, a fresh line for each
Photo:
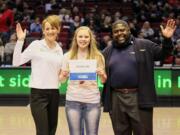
129,93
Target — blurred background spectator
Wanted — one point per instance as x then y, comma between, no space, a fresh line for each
147,31
6,20
144,18
177,32
35,26
9,49
105,41
177,53
1,52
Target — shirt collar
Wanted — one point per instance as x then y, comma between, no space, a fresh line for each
45,45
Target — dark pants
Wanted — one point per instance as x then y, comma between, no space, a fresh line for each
128,118
44,108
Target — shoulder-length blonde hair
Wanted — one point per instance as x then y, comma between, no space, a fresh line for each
93,53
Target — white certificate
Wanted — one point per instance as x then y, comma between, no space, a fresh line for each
82,69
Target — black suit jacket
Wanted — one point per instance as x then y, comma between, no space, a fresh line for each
146,52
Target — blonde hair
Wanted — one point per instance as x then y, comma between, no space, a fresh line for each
94,53
53,20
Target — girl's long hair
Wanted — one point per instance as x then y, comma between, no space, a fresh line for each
93,52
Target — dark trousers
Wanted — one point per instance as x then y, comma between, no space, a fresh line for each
128,118
44,108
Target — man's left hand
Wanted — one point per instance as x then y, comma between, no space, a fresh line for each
169,29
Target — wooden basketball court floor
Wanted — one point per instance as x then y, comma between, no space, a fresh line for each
18,121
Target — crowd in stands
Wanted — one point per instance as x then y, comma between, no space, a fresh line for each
144,18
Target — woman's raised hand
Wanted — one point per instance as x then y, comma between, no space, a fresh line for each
20,33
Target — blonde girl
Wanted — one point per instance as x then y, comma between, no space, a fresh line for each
83,97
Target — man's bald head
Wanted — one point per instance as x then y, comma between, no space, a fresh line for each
120,22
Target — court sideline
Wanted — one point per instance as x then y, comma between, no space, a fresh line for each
18,121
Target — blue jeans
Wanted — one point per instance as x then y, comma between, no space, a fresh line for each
76,112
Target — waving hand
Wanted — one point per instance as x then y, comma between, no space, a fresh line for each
20,33
169,29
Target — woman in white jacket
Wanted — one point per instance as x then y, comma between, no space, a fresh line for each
45,56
